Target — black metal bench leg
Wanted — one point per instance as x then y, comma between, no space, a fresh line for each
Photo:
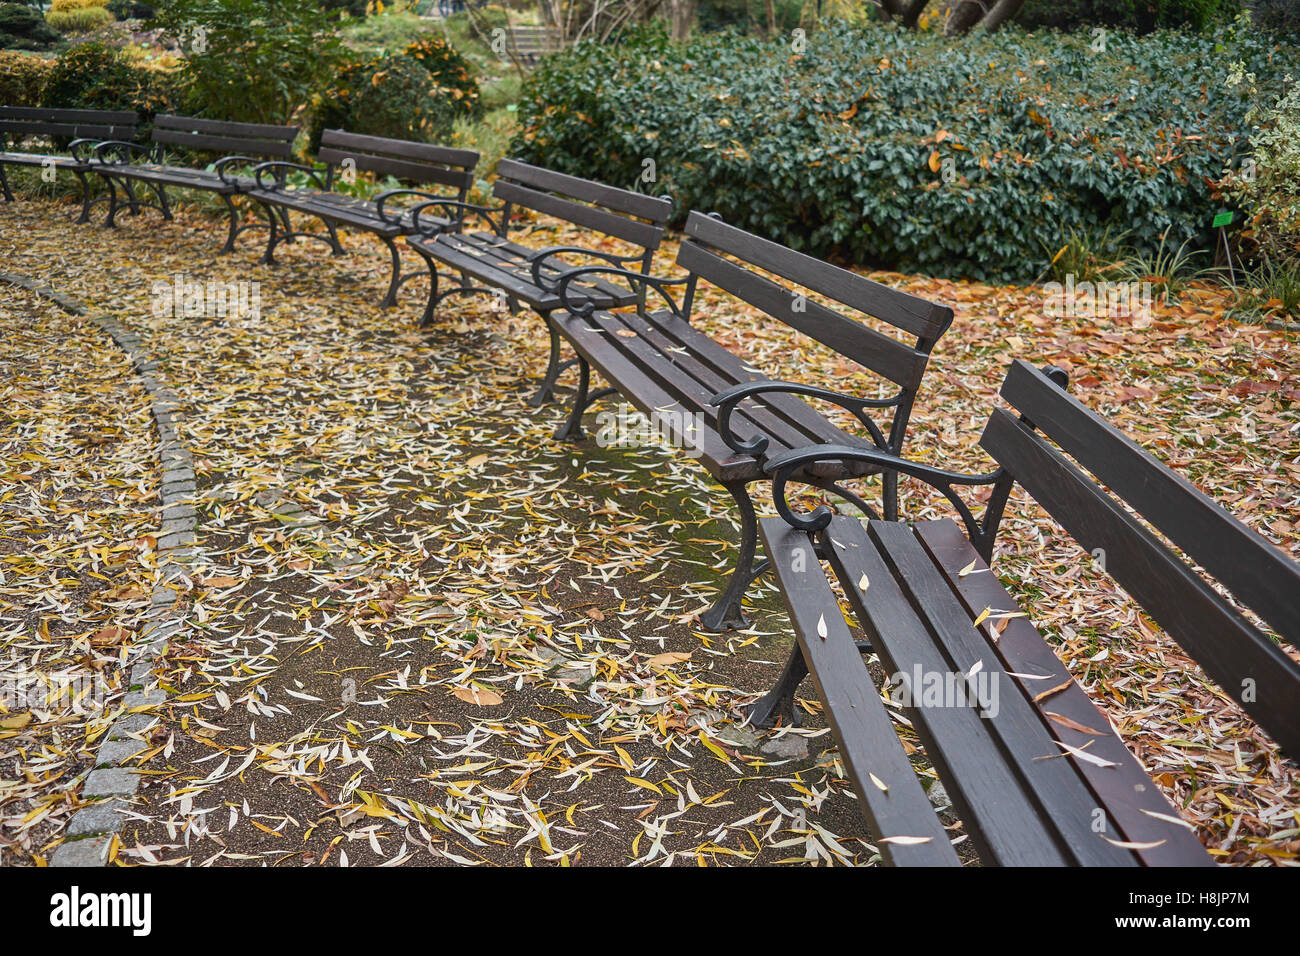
726,612
390,297
779,701
163,206
85,196
4,184
889,503
546,391
110,221
268,257
132,203
233,213
571,430
335,248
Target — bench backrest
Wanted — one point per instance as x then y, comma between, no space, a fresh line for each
709,239
617,213
1240,657
20,122
404,159
218,136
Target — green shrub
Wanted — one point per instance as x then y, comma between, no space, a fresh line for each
1276,16
353,8
1267,182
253,60
22,28
79,20
93,76
908,150
1139,16
391,96
22,78
130,10
451,72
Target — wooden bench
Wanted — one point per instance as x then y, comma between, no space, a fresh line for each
489,263
239,145
675,373
346,154
528,44
82,127
1038,776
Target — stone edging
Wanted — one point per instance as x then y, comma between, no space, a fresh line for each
90,831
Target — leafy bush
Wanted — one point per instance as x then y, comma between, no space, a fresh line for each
353,8
1140,16
1267,182
390,96
22,78
93,76
450,71
78,16
908,150
1276,16
253,60
22,28
130,10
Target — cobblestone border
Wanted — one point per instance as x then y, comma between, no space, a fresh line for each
90,830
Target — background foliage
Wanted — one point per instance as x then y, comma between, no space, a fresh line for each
904,149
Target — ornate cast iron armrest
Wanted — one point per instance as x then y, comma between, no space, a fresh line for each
586,307
729,398
121,147
81,142
456,213
382,199
219,167
981,533
261,168
539,258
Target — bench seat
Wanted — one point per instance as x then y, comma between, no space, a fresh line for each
349,211
1001,752
663,364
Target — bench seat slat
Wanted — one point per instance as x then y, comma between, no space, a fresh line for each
867,739
1053,781
1123,790
1005,824
516,258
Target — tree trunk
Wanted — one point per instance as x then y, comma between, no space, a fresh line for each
683,13
912,13
770,7
964,16
1003,11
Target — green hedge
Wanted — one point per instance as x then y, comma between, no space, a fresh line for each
848,147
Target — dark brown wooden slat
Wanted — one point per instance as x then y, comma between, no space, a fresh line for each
67,130
1237,556
226,128
901,364
1004,824
59,115
866,736
900,309
590,217
178,176
1124,790
679,379
593,344
39,159
784,416
211,143
611,197
401,168
1053,781
424,153
1233,652
515,257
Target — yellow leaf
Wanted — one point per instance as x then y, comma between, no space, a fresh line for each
934,161
644,783
473,695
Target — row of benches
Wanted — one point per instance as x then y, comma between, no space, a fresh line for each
1041,778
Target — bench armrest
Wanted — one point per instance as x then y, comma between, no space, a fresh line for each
459,209
586,307
261,168
219,167
729,398
80,143
784,465
382,199
539,258
122,148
